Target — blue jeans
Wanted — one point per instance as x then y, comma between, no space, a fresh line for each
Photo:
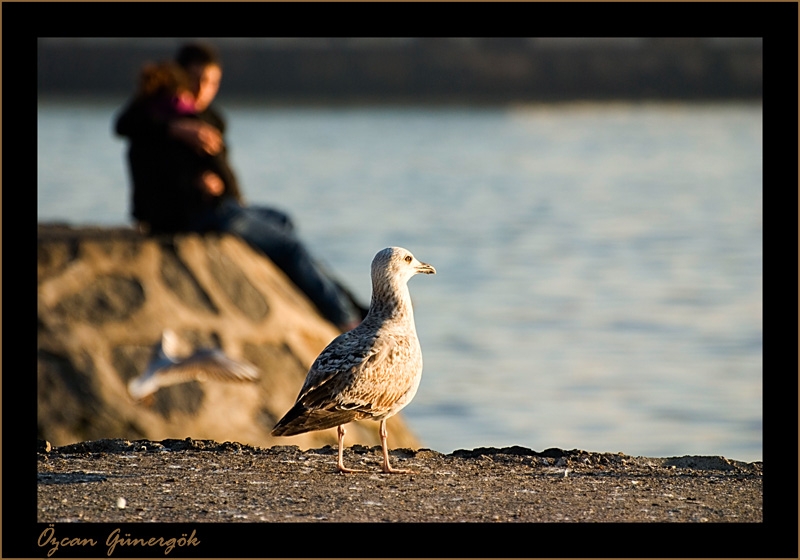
272,232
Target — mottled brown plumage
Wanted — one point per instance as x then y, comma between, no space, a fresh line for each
372,371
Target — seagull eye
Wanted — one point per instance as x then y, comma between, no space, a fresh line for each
408,258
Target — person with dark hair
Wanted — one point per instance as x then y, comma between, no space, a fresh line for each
182,182
173,180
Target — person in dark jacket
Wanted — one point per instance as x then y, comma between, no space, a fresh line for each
174,180
182,181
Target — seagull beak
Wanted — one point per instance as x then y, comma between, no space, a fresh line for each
425,268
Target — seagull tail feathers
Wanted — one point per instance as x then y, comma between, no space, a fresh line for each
300,420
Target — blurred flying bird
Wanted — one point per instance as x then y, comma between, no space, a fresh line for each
166,368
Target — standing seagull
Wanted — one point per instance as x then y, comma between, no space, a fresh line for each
372,371
165,368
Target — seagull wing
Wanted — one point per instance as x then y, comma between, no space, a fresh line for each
382,379
340,386
338,369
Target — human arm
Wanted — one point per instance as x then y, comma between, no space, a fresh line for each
201,136
138,120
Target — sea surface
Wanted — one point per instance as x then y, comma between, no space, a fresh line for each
599,266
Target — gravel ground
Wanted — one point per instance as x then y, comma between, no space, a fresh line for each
189,481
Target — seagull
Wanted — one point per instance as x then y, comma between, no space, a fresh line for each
370,372
165,368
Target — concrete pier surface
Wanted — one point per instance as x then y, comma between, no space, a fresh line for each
191,481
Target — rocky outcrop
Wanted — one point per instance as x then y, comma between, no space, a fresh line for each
106,295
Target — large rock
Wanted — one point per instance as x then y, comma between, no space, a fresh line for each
106,295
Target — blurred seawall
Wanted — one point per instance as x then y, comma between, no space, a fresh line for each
105,295
486,70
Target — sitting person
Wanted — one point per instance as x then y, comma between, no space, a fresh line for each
173,181
182,181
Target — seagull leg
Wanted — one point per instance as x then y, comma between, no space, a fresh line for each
340,463
386,467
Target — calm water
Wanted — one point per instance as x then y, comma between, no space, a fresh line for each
599,278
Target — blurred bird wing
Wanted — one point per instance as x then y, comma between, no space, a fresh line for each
213,364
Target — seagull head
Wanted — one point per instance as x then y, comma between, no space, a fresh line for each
396,263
